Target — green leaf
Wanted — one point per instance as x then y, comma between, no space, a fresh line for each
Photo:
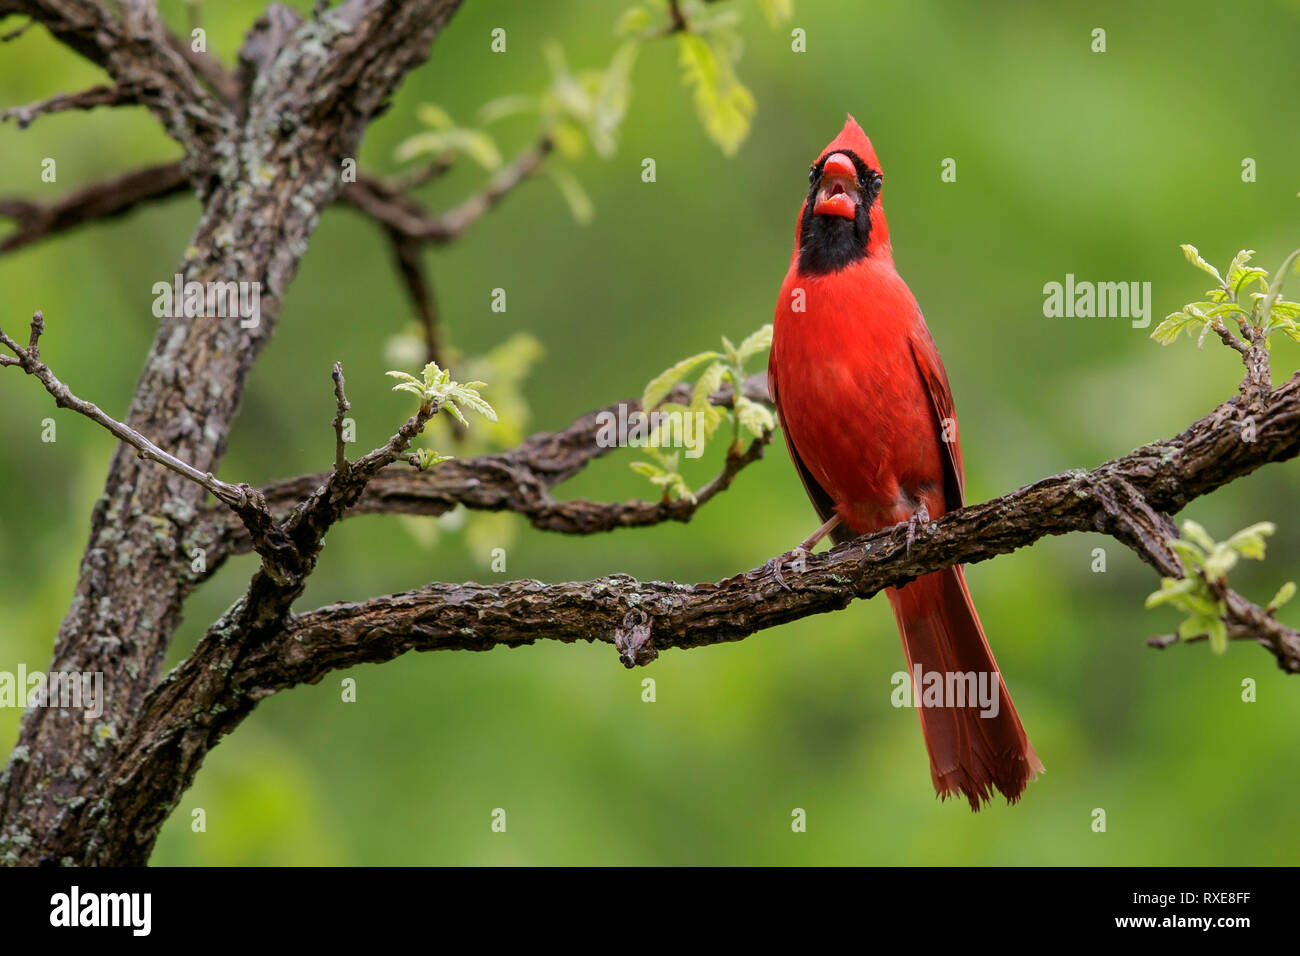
632,20
1218,632
1191,555
708,383
1170,589
646,469
667,479
732,355
1195,533
753,417
1244,277
475,144
1194,626
1173,326
725,106
1249,542
664,382
777,12
481,148
756,342
1284,594
1199,601
1240,275
613,93
569,139
710,415
1221,560
436,386
435,116
450,407
1195,259
574,195
504,106
1275,290
426,458
472,401
1205,331
1287,326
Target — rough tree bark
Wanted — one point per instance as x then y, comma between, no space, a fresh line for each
263,151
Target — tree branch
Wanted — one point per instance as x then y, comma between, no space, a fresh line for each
102,200
134,49
520,480
1122,498
89,99
406,217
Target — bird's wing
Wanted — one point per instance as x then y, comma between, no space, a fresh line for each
935,378
820,498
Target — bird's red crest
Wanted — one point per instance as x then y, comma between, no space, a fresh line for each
852,138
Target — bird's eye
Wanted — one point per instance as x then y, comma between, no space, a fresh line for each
812,172
876,181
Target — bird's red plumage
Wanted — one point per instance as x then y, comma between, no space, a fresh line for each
868,417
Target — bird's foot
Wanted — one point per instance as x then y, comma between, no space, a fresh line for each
799,555
795,557
916,524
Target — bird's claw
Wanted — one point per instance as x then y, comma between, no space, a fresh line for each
920,518
796,556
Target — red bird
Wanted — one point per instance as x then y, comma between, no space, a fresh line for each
868,417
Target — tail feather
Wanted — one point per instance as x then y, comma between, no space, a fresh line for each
971,753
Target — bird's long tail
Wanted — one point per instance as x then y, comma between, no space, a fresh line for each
974,746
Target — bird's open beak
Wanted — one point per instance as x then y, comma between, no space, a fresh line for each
837,194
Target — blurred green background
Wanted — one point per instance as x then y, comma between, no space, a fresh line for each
1097,164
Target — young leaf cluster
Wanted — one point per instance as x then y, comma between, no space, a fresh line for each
709,371
1245,296
1199,593
578,109
437,392
444,138
506,367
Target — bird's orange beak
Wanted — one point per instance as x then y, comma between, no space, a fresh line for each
838,193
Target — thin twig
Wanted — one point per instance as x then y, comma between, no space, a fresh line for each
90,99
236,496
342,407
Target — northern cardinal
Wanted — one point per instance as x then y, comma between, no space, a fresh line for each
868,418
